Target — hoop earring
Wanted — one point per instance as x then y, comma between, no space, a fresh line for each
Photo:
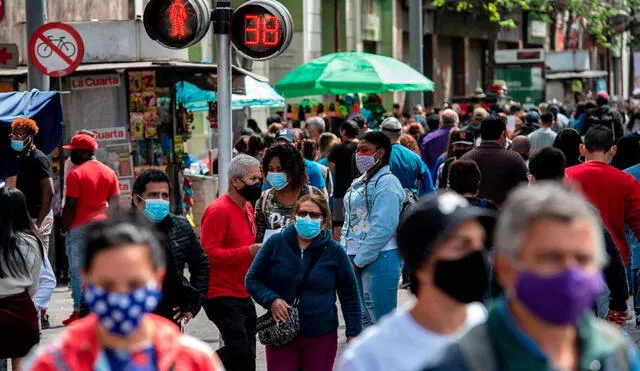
581,158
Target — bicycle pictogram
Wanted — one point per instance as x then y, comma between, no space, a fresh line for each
67,47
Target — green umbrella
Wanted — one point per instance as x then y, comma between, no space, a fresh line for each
352,72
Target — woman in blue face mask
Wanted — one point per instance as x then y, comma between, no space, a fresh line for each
285,172
122,275
273,283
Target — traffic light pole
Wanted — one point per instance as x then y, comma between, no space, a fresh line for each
221,17
36,11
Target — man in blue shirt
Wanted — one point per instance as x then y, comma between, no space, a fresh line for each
407,166
316,179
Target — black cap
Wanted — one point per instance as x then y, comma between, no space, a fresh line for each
463,137
431,220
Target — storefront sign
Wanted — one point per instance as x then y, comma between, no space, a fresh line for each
125,185
8,55
524,82
111,134
92,82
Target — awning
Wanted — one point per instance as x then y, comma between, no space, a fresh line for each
94,67
44,108
575,75
258,95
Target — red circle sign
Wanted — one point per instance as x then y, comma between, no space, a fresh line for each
56,49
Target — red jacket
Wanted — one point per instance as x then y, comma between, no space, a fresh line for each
77,349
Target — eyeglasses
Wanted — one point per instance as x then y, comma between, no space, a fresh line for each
312,214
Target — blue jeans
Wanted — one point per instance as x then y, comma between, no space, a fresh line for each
378,286
75,250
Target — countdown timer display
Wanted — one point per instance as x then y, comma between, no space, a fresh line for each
261,29
177,24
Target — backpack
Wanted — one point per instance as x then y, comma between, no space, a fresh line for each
410,197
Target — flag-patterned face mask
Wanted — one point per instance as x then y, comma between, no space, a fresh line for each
121,313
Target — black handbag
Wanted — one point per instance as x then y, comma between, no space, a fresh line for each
279,334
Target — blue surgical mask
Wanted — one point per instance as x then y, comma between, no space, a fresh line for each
277,180
155,209
308,227
17,145
121,313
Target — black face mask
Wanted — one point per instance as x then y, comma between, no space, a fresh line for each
251,192
466,280
460,152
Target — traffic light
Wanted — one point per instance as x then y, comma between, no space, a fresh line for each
177,24
261,29
258,29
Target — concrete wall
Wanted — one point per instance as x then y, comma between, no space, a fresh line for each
63,11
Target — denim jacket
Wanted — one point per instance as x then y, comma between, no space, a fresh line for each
369,229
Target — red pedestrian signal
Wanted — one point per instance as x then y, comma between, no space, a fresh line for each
177,24
261,29
178,17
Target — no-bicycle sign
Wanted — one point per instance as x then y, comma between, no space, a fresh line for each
56,49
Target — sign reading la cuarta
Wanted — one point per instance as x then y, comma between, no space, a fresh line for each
92,82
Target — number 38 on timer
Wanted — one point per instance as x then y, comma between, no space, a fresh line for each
261,29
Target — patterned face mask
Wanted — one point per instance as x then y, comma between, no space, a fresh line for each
121,313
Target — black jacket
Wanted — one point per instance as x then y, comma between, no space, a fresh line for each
182,247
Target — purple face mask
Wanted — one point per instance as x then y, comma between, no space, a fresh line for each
560,299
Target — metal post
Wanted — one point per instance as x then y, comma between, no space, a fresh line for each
416,36
222,15
36,17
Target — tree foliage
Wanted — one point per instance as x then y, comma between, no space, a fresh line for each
594,14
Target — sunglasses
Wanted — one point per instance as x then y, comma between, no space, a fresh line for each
312,214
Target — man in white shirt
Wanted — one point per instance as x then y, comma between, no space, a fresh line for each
545,136
442,241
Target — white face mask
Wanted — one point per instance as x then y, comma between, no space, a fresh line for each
364,163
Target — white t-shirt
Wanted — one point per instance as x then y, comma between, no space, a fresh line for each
399,343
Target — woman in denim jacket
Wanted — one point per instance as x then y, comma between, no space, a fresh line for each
372,210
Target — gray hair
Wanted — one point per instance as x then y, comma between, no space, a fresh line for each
449,117
316,123
542,200
240,165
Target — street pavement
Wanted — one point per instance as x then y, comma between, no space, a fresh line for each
61,306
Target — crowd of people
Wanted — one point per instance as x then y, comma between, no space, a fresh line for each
516,231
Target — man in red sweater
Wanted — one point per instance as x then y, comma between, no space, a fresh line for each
614,193
228,233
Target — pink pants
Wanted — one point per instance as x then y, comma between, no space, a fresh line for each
304,353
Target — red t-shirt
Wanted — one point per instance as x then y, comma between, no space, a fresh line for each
92,183
615,194
226,232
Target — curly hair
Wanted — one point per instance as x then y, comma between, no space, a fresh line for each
291,162
408,141
26,125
